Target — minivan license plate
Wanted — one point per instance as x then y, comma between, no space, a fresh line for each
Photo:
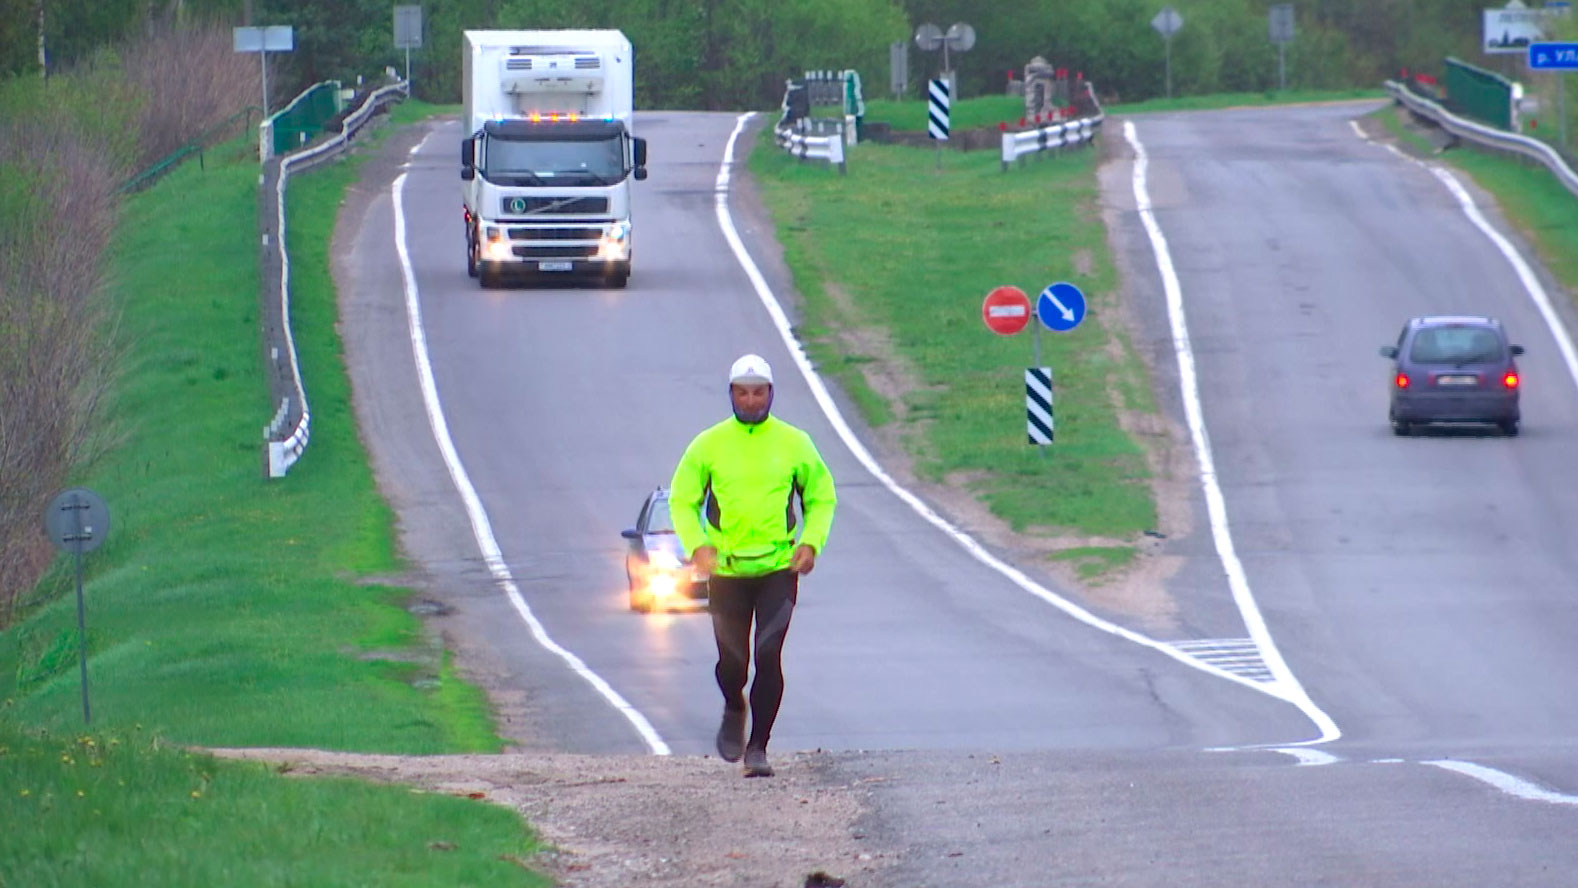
1457,380
553,266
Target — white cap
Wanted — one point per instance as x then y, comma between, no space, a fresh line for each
751,369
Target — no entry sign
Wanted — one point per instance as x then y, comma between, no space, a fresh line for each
1006,310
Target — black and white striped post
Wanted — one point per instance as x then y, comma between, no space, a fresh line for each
1038,404
937,103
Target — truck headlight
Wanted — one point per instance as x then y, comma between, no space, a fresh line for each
616,242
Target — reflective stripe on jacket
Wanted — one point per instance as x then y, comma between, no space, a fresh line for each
747,477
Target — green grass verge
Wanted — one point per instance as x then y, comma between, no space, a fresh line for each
1530,196
905,248
989,111
122,809
228,610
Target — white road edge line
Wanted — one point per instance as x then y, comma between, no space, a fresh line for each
481,528
1530,280
1216,504
1288,691
1506,783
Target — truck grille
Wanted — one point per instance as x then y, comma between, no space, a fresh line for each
554,206
590,234
567,251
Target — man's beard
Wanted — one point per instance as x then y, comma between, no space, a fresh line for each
756,416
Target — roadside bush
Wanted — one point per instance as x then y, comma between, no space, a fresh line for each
56,214
66,145
188,80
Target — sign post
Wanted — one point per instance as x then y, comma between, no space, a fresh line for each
1281,25
274,38
937,103
1167,22
77,521
408,35
1007,311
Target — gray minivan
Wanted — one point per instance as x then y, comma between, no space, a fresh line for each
1453,369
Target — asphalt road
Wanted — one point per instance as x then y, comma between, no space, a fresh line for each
1418,589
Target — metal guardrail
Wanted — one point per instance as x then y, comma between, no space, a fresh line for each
829,148
286,435
1487,136
1057,135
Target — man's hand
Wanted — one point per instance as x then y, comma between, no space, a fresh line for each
704,559
804,560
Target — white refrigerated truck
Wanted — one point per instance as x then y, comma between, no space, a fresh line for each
548,154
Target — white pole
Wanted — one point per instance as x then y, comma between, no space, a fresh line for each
263,63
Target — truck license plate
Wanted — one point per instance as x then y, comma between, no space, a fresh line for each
553,266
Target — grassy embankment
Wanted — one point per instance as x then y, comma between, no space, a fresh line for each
903,247
228,610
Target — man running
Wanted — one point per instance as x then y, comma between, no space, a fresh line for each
747,471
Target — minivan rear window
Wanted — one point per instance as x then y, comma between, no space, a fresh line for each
1456,345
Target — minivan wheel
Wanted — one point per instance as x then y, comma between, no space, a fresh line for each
1401,429
1509,427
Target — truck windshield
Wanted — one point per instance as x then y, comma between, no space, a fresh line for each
569,162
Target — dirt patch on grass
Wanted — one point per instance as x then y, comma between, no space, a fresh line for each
654,821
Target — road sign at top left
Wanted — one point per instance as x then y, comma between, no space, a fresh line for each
408,27
274,38
1006,310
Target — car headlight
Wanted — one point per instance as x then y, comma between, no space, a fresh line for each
662,586
496,249
618,231
664,560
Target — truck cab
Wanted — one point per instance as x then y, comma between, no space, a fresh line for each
548,160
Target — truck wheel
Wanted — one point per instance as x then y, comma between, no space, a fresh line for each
471,255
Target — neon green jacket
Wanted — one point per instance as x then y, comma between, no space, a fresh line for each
747,477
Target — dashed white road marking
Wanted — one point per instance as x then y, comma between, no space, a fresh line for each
1507,783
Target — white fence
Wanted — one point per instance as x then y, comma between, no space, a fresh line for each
1488,136
829,148
1054,135
287,433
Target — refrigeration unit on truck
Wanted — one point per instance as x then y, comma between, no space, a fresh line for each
549,153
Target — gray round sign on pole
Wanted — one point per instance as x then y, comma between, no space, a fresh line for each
928,37
1167,22
77,520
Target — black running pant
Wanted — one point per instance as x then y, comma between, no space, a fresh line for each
734,603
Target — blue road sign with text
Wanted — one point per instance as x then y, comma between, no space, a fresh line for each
1553,56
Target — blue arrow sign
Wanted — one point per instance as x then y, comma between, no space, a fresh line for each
1061,307
1553,56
